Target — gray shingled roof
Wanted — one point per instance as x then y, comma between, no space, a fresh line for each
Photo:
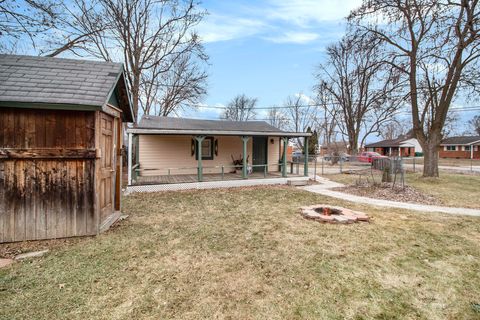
386,143
169,123
57,81
461,140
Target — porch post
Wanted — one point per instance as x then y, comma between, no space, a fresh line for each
284,156
245,163
199,140
305,152
130,144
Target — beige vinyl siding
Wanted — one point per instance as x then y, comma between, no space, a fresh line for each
159,153
273,154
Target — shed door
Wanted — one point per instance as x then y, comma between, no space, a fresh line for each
107,165
259,152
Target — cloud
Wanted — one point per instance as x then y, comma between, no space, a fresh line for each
223,27
274,20
304,98
305,12
294,37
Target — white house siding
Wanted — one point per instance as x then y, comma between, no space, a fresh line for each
413,142
159,153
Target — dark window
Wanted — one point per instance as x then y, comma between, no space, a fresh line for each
451,148
207,149
467,148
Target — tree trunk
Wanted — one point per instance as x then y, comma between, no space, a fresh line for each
430,154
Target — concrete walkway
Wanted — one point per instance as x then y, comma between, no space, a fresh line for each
325,186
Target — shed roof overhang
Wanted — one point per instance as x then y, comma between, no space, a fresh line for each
217,132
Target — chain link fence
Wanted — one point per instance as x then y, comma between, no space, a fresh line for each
325,165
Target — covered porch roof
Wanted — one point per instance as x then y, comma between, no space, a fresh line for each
183,126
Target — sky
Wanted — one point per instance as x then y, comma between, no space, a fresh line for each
267,49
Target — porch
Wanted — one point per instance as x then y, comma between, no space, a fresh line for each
208,177
161,151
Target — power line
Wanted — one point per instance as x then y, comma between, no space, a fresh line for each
468,109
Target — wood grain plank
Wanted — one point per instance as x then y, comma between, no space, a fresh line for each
30,131
30,200
20,201
41,192
51,190
40,130
92,220
9,196
60,130
3,213
60,199
50,121
3,116
19,129
71,198
80,130
9,133
70,130
81,216
90,131
47,153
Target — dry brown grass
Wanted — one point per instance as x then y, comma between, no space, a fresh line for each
248,254
454,190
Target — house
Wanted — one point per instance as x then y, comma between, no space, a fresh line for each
166,150
404,146
462,147
61,124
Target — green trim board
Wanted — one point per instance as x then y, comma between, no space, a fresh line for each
212,149
48,106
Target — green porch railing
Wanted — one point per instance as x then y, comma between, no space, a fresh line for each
222,170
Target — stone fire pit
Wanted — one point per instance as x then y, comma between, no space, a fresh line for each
332,214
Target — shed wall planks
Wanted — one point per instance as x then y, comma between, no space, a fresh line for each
46,198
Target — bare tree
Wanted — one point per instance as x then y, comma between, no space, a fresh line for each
327,122
475,125
30,18
395,128
301,116
180,87
240,108
360,87
435,45
277,118
154,39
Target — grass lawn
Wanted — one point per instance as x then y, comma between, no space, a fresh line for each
455,190
248,254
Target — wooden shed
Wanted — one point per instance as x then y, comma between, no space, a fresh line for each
61,138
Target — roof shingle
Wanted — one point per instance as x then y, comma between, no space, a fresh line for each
55,80
461,140
169,123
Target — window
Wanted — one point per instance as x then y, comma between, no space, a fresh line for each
467,148
451,148
207,149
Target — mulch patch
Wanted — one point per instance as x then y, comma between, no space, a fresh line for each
386,192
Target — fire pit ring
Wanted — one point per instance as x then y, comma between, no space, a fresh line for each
332,214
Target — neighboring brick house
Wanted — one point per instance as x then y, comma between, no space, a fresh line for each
402,146
462,147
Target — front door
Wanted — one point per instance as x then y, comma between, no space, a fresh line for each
107,164
259,153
